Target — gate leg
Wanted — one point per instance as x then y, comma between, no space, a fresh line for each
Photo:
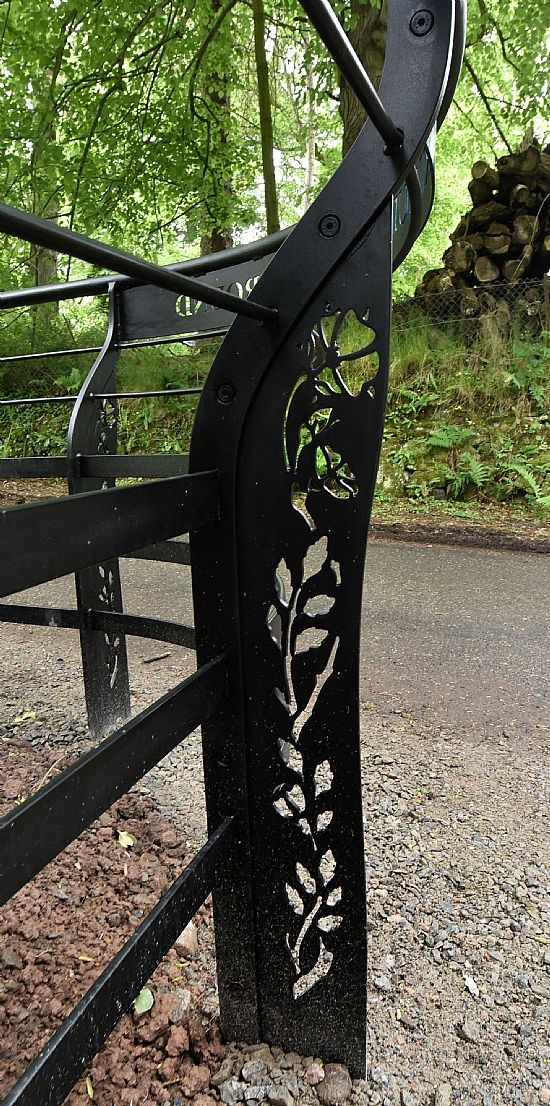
93,430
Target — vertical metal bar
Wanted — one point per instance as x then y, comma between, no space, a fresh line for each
93,430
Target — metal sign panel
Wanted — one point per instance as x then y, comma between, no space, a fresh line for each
148,312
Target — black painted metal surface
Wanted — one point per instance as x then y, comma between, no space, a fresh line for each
300,455
98,526
93,430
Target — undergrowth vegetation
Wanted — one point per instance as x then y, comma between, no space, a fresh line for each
466,419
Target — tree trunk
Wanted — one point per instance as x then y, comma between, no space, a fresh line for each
368,36
266,120
215,89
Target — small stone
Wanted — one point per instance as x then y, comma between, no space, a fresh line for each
232,1091
280,1096
335,1087
406,1098
382,983
313,1074
258,1093
11,958
253,1071
195,1079
178,1041
293,1060
468,1030
181,1004
544,1094
443,1095
187,943
223,1073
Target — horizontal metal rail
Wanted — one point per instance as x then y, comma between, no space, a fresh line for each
151,393
171,552
32,468
99,286
42,232
97,465
29,401
102,466
67,618
42,541
48,1080
34,833
49,353
194,391
339,47
169,340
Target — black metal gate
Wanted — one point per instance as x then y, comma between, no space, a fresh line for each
277,500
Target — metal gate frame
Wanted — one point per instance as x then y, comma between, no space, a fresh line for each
281,477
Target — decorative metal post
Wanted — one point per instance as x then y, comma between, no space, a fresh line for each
292,417
93,430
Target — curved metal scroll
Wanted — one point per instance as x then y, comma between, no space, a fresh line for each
296,441
93,430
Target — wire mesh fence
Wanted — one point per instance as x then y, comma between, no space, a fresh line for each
520,307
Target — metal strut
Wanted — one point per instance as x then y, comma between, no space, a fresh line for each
42,232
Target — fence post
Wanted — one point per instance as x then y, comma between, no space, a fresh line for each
277,584
93,430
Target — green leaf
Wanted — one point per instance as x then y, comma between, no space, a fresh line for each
126,840
144,1001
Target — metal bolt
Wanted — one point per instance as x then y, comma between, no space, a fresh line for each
329,226
422,23
225,394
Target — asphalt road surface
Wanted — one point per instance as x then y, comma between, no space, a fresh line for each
458,636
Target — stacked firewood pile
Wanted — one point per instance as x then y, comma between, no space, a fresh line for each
503,239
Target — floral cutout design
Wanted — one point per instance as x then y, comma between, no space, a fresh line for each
106,599
313,450
302,630
107,424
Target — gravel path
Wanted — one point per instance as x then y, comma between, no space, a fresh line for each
457,850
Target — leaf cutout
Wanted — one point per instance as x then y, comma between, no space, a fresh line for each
319,605
336,570
305,827
322,778
282,808
320,969
311,638
323,820
279,695
334,896
294,899
283,581
329,922
306,879
299,505
291,757
297,799
274,626
327,866
315,557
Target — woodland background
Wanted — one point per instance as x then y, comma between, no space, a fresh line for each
171,128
